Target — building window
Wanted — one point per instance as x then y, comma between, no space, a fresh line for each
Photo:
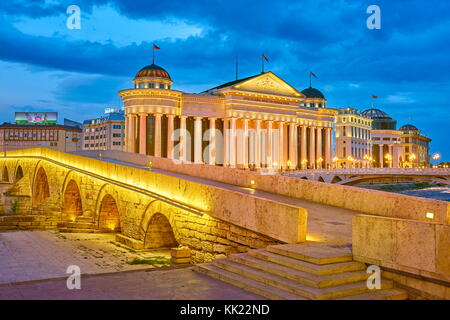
141,85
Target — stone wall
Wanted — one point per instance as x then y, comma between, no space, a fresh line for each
416,254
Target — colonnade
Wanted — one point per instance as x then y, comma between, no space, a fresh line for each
234,142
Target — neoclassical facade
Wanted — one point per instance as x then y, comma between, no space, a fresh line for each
259,122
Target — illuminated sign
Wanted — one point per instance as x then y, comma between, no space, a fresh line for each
36,117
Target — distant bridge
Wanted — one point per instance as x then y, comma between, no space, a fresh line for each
367,175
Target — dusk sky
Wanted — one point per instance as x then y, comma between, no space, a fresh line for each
47,67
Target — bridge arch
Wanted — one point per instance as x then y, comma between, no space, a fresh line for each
41,188
336,179
159,233
19,173
108,214
320,179
5,174
72,205
159,227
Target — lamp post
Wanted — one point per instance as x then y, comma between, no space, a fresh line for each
436,158
335,161
351,159
319,163
412,157
304,163
389,160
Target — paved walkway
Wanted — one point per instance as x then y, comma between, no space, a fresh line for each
325,223
34,255
179,284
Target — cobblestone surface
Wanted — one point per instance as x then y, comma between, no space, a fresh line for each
35,255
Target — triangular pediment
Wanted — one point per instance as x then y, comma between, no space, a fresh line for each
268,83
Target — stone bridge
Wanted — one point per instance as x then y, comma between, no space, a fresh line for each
367,175
145,208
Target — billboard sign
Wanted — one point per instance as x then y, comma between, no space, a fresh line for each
36,117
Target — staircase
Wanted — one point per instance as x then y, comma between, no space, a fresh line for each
300,272
80,225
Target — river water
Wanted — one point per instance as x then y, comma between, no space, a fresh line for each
438,193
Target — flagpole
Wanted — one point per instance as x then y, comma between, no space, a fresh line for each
153,59
310,80
262,63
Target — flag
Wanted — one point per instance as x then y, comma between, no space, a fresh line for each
265,58
312,74
156,47
374,97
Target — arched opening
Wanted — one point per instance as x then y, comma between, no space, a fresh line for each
41,187
321,179
304,178
5,175
19,174
159,233
72,207
108,216
336,179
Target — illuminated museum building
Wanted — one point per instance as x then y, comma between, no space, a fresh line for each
104,133
353,147
264,121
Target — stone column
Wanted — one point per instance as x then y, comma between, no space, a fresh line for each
303,153
226,142
312,147
127,133
183,151
143,133
258,144
170,130
319,148
198,140
295,163
269,144
380,146
132,133
245,142
233,142
328,143
212,141
291,145
158,134
281,163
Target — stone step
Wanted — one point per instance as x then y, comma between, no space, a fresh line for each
81,225
300,276
75,230
84,219
263,290
312,253
388,294
294,287
318,270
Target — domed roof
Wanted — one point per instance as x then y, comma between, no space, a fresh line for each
375,114
153,71
313,93
408,127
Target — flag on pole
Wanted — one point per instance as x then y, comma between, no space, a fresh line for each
312,74
265,58
374,97
156,47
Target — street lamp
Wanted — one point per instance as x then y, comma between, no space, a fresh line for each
351,159
335,160
319,162
304,162
412,157
436,158
389,159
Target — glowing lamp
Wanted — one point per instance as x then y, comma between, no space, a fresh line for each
430,215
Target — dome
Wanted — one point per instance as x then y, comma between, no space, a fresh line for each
408,127
153,71
313,93
375,114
